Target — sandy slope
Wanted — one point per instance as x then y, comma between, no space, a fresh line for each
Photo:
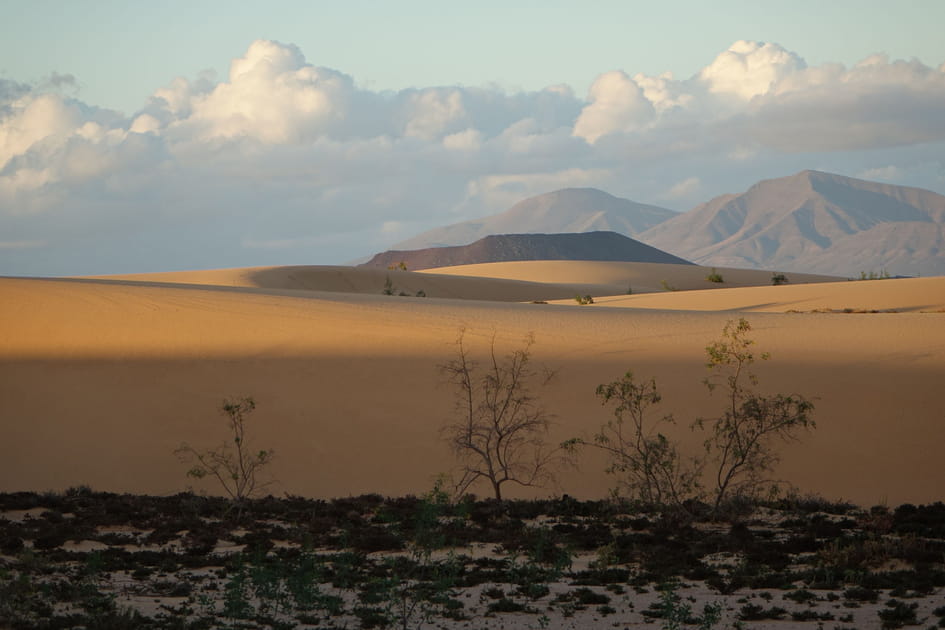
901,295
613,278
101,380
340,279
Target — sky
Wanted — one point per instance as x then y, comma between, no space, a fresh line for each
147,136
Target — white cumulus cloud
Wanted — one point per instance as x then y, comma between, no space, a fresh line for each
617,104
748,69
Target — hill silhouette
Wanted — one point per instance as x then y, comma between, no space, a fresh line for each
598,246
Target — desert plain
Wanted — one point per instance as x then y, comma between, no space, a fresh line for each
101,379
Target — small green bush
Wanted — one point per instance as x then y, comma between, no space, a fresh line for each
715,276
898,614
506,605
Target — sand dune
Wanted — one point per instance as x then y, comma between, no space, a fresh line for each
102,379
339,279
613,278
901,295
509,281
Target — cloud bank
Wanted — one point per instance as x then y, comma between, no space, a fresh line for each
284,161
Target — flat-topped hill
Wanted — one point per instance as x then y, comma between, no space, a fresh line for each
601,246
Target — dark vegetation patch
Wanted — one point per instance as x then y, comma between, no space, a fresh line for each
355,561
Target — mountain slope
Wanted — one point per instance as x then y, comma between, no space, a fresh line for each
559,212
813,222
510,247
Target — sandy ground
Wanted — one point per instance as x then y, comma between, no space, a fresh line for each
100,379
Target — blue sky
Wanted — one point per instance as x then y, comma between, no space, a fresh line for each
120,50
140,136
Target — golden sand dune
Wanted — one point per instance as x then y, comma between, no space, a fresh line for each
338,279
613,278
901,295
101,380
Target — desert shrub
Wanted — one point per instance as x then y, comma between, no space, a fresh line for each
924,520
754,612
588,597
778,279
372,617
812,615
236,467
646,463
499,427
506,605
738,446
897,614
801,596
715,276
874,275
860,594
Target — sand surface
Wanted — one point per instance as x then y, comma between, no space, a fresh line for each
617,278
101,379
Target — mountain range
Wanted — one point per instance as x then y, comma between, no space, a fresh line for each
811,222
598,245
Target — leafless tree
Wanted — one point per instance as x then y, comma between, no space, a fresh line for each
498,430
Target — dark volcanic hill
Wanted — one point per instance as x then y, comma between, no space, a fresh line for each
563,211
814,222
510,247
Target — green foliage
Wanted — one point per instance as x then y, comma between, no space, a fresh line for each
413,589
646,463
739,442
235,466
897,614
667,286
236,604
584,300
778,279
873,275
738,447
676,614
715,276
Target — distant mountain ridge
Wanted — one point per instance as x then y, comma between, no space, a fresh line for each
569,210
513,247
813,222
